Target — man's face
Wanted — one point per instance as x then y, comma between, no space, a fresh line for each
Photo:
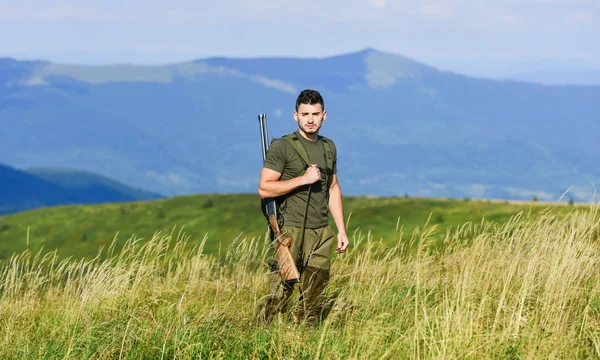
310,118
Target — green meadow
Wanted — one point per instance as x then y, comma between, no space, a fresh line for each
425,279
82,230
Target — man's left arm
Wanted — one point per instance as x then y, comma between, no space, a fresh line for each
337,212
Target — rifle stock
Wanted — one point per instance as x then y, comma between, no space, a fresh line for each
285,261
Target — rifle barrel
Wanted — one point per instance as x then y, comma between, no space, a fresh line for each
264,135
270,204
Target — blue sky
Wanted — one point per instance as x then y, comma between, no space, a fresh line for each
479,37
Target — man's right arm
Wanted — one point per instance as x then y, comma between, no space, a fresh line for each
269,185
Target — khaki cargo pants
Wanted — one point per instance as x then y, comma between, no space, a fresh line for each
314,278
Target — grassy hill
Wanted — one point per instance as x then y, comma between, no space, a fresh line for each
525,290
81,230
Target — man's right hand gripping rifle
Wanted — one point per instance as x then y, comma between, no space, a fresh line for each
270,187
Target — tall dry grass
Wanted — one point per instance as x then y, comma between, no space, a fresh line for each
527,289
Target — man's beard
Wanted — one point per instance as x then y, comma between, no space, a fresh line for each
306,130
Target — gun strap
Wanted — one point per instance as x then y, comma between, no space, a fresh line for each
302,231
301,150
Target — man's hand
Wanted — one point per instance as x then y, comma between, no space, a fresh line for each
312,174
342,244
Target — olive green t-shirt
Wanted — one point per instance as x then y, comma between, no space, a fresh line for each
283,158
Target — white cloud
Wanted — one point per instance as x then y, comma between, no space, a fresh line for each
583,194
424,192
551,1
508,17
169,178
263,4
580,17
378,4
475,190
437,186
441,32
68,12
435,11
11,11
58,13
526,193
501,15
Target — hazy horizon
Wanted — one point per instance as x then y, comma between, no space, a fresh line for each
497,39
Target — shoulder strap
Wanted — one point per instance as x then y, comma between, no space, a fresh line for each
293,140
297,145
328,154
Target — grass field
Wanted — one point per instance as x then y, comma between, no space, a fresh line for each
526,288
80,231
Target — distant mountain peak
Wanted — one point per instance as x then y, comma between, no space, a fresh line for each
367,51
384,69
373,51
369,66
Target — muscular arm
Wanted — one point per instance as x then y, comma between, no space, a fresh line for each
270,186
337,212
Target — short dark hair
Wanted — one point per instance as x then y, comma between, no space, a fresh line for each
310,97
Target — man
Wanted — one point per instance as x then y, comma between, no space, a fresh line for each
286,177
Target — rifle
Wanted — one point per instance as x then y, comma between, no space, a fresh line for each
287,267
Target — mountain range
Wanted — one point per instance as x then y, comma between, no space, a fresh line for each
400,126
23,190
572,77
